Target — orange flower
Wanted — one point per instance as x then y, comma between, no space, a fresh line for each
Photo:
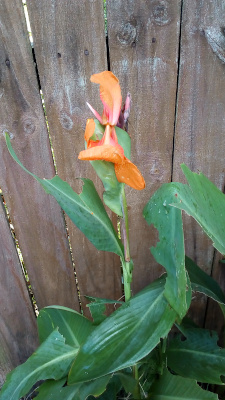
108,148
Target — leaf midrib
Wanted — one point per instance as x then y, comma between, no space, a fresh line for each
87,209
197,352
44,366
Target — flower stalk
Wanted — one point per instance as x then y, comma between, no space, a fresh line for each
127,263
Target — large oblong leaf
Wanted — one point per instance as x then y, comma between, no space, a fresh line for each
74,327
113,188
205,203
128,335
85,210
198,357
51,360
171,387
169,251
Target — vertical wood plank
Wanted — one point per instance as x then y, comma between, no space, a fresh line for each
18,332
38,220
143,48
199,138
69,44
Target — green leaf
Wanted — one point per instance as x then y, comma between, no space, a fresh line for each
198,357
98,308
112,389
73,326
52,390
106,171
152,366
126,336
203,283
204,202
171,387
51,360
113,188
85,210
127,380
124,141
169,251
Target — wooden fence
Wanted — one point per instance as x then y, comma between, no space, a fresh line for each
169,54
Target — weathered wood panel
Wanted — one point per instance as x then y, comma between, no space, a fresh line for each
38,220
143,48
18,333
200,124
69,43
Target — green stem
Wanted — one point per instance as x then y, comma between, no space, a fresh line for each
127,263
125,227
136,393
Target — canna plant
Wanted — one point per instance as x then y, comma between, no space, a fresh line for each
130,354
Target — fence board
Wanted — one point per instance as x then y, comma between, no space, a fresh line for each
38,220
18,333
143,47
72,34
70,45
199,139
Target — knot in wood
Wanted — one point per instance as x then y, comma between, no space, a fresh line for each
28,126
215,37
128,34
66,121
161,12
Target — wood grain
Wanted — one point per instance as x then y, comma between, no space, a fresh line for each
18,332
38,220
143,48
200,124
71,34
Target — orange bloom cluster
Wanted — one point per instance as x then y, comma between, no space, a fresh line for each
108,148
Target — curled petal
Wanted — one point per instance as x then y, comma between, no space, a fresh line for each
105,152
128,173
110,95
89,130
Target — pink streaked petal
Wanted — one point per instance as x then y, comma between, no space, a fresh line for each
113,135
96,114
110,95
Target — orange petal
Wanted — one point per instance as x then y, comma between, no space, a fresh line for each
89,130
110,94
128,173
105,152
